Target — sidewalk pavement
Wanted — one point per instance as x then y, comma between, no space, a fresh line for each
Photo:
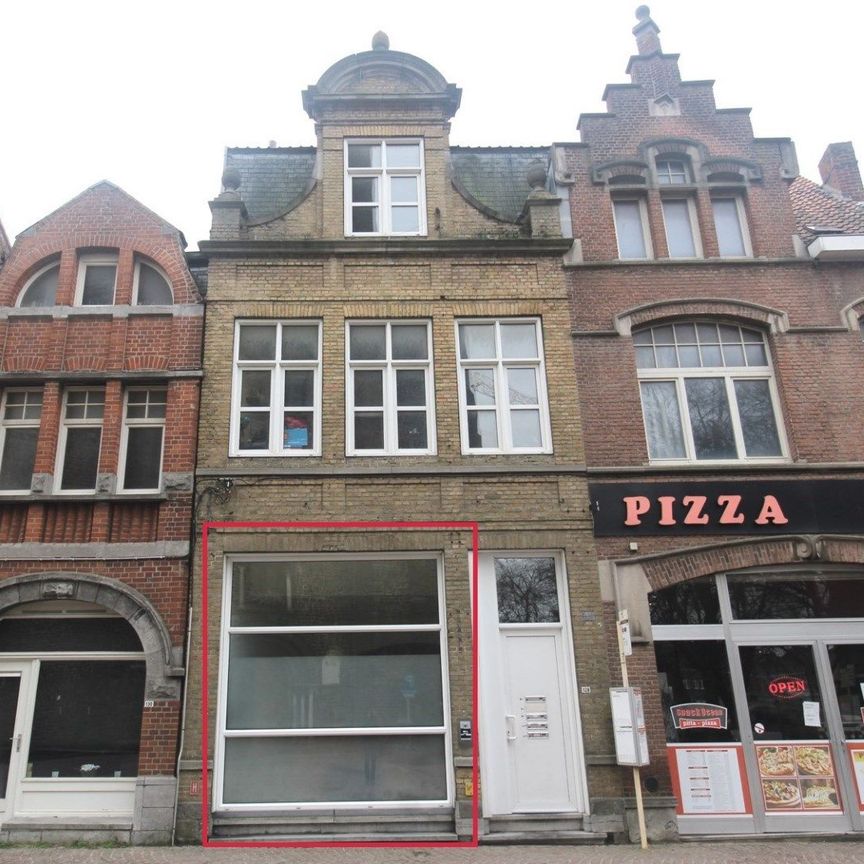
773,851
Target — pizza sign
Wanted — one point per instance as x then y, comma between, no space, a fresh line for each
787,687
699,715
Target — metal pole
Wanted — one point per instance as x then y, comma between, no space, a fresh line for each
637,779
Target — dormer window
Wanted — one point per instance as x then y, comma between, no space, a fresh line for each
41,289
672,172
97,278
384,188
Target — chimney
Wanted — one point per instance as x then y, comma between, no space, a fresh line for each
647,40
839,170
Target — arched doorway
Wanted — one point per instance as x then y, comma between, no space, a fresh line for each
72,689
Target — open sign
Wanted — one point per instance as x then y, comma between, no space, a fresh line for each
787,687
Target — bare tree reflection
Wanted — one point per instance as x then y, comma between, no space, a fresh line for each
527,590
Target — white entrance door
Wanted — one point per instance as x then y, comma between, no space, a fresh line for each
530,745
15,681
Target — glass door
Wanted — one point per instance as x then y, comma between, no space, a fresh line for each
798,759
847,673
13,693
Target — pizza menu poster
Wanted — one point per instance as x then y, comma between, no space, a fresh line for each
797,777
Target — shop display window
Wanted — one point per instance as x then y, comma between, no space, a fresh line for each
692,602
793,595
333,691
696,691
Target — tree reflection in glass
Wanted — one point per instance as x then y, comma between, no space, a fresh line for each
527,590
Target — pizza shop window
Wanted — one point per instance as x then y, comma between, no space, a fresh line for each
384,187
97,279
276,396
708,393
696,691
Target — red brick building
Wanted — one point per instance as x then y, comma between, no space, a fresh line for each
716,298
100,335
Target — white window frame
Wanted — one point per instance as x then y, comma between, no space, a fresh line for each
23,423
694,226
222,697
101,259
389,368
743,226
32,279
502,403
277,385
137,276
139,423
384,202
639,200
65,425
729,374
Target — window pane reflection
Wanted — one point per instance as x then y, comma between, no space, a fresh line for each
527,590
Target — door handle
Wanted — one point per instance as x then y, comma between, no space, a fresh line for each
17,740
510,726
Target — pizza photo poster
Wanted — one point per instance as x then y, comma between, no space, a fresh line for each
797,777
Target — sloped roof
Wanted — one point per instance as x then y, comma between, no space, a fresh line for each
817,207
273,180
495,178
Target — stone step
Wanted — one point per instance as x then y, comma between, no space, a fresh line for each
375,837
544,838
535,822
411,825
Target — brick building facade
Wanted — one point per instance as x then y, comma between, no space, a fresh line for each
715,298
388,338
101,327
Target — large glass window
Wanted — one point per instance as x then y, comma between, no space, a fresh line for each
733,240
334,688
679,219
791,595
277,389
502,387
384,187
707,393
19,430
151,286
389,388
97,278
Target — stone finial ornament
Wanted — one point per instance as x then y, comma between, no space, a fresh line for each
231,180
380,41
536,175
643,13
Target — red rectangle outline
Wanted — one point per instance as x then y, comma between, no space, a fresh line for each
475,666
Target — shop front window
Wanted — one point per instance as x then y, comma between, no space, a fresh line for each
791,595
334,689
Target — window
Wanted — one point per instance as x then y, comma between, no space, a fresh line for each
143,428
21,411
631,228
41,288
502,387
730,222
672,172
97,276
389,388
333,690
708,393
277,389
151,286
384,187
682,235
80,439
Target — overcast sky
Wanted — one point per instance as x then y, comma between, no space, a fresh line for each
149,94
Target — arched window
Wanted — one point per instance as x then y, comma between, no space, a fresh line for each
151,286
41,288
708,393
